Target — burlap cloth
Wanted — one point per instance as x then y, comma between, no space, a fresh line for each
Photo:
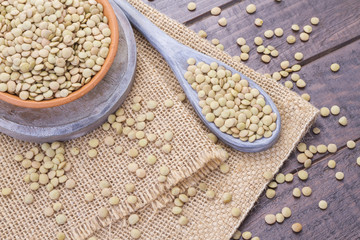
193,159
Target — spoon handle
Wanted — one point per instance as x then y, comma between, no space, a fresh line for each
164,44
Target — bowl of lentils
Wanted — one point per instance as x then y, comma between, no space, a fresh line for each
52,52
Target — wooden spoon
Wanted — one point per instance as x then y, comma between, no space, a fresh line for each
176,55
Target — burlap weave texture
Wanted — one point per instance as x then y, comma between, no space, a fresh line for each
188,161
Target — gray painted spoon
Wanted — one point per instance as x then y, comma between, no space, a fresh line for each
176,55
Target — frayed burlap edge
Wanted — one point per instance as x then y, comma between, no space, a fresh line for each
157,199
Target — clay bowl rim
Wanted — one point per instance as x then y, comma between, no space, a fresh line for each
113,25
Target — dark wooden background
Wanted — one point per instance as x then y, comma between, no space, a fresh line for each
335,39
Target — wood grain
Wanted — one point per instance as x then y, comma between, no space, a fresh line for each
338,21
327,89
339,221
178,9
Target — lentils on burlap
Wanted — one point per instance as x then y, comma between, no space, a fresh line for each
49,49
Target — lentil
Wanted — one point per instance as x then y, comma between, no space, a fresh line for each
270,193
335,67
339,176
269,33
279,218
296,227
323,204
222,22
61,219
331,164
258,22
316,130
216,11
270,219
183,220
251,8
235,212
303,175
191,6
279,32
351,144
291,39
286,212
306,191
343,121
296,192
135,233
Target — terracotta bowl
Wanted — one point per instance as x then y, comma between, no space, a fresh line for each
113,25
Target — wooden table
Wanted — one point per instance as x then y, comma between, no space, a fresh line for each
335,39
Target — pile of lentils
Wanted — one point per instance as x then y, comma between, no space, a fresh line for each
230,103
51,48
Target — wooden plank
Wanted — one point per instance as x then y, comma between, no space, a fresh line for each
327,89
178,9
340,220
339,21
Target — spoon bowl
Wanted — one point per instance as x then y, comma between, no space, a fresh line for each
176,55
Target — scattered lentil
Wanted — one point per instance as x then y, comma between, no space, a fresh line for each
227,197
289,177
269,33
296,192
236,235
28,199
291,39
216,11
331,164
258,22
332,148
343,121
135,233
351,144
251,8
210,194
279,32
306,191
202,34
286,212
270,193
321,148
61,219
280,178
89,197
316,130
303,175
235,212
222,22
339,176
224,168
335,67
268,175
191,6
323,204
314,21
183,220
279,218
298,56
270,219
307,29
295,27
324,112
296,227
